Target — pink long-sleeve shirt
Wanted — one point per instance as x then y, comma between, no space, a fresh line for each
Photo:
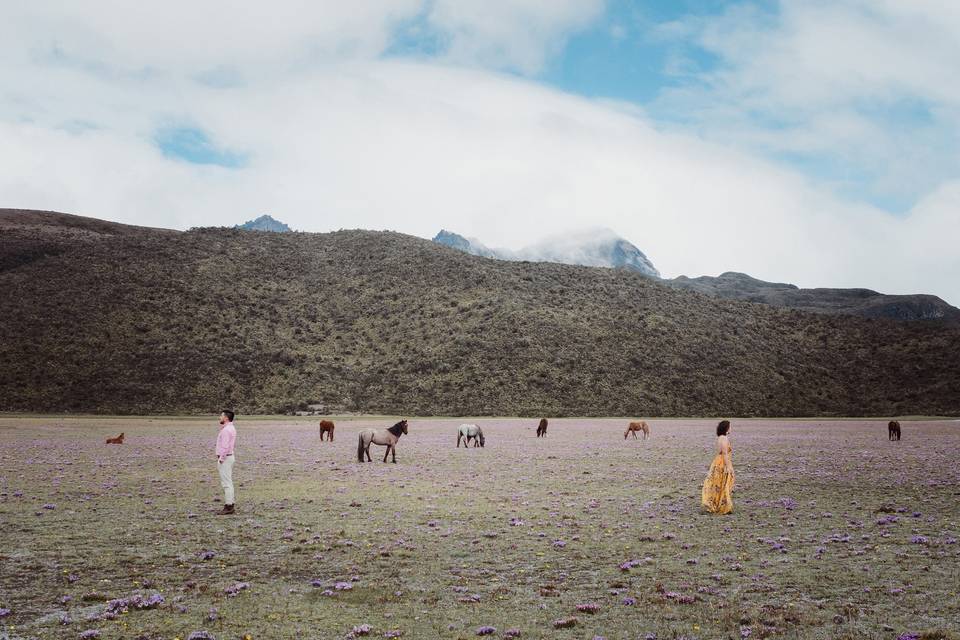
225,441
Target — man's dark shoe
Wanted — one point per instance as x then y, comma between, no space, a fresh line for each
226,511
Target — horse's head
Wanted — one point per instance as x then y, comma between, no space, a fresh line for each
403,425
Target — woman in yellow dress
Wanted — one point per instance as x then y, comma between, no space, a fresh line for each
717,494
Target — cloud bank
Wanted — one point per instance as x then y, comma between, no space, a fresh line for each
304,112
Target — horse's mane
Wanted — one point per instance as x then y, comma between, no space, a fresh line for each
397,429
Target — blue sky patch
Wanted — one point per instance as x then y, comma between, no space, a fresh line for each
190,144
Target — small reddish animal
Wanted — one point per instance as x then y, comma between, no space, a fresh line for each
542,428
633,427
893,430
326,427
117,440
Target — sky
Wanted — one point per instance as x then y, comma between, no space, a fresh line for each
812,142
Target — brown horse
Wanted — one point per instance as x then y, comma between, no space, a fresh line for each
633,427
326,427
542,428
117,440
388,437
893,430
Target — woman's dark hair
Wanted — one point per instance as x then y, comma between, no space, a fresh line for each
723,427
229,414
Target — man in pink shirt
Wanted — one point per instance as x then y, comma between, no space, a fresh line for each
226,439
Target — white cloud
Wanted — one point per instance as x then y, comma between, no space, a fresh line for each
518,34
867,88
357,141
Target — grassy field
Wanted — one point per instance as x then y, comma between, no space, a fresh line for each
837,533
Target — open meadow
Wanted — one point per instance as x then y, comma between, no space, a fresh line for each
836,532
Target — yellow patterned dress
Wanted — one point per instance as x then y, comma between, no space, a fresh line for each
717,494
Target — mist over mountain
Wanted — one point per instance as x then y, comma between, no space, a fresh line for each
107,318
603,248
591,248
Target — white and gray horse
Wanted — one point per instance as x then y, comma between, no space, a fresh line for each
468,431
382,437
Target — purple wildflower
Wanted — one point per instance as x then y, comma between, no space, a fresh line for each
89,634
206,555
628,601
511,633
908,636
136,602
4,612
745,632
919,540
362,630
343,586
200,635
486,631
395,633
234,589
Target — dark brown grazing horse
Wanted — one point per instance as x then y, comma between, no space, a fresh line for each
633,427
326,427
117,440
388,437
893,430
542,428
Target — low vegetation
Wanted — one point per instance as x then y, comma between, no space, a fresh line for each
836,532
144,321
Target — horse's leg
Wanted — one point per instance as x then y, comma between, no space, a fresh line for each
386,453
369,459
331,434
394,450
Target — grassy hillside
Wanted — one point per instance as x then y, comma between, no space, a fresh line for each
139,321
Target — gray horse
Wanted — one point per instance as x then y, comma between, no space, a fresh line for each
468,431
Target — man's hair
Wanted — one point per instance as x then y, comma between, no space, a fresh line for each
722,428
228,413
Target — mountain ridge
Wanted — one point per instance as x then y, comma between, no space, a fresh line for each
917,307
264,223
151,321
595,248
733,285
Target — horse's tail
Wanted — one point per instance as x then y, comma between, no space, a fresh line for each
360,448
